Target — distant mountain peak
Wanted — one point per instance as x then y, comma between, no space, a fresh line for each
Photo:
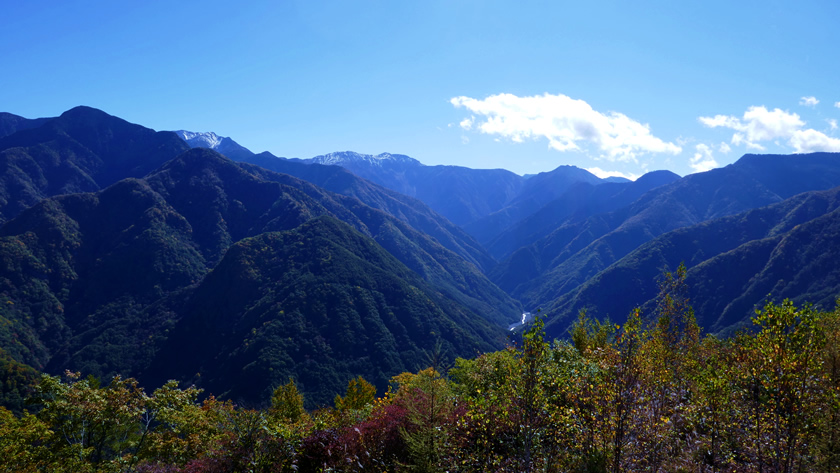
201,139
348,157
615,179
84,110
208,139
10,123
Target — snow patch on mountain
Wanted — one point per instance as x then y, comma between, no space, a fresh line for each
201,139
222,144
350,157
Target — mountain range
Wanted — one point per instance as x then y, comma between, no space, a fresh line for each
787,250
102,281
541,273
559,230
184,255
83,150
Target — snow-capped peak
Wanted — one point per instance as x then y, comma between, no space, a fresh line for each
221,144
347,157
201,140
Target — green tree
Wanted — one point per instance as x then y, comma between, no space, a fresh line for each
531,395
626,370
589,334
429,402
287,403
670,360
827,443
714,409
592,386
114,426
178,429
784,370
484,387
360,394
91,423
23,446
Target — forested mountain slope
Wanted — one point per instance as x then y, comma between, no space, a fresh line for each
537,191
320,304
89,273
83,150
10,123
460,194
560,262
414,212
735,265
582,200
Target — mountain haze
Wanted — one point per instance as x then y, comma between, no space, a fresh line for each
459,194
462,195
485,202
504,232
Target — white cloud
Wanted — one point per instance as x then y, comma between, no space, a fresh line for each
724,148
605,174
703,159
837,104
809,101
467,123
565,122
809,141
832,123
720,120
759,124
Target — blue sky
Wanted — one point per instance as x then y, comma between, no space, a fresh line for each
617,86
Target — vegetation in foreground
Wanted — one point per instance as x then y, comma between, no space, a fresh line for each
647,396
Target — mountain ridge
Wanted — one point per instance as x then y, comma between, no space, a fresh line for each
735,264
82,150
211,140
10,123
572,254
463,195
342,158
